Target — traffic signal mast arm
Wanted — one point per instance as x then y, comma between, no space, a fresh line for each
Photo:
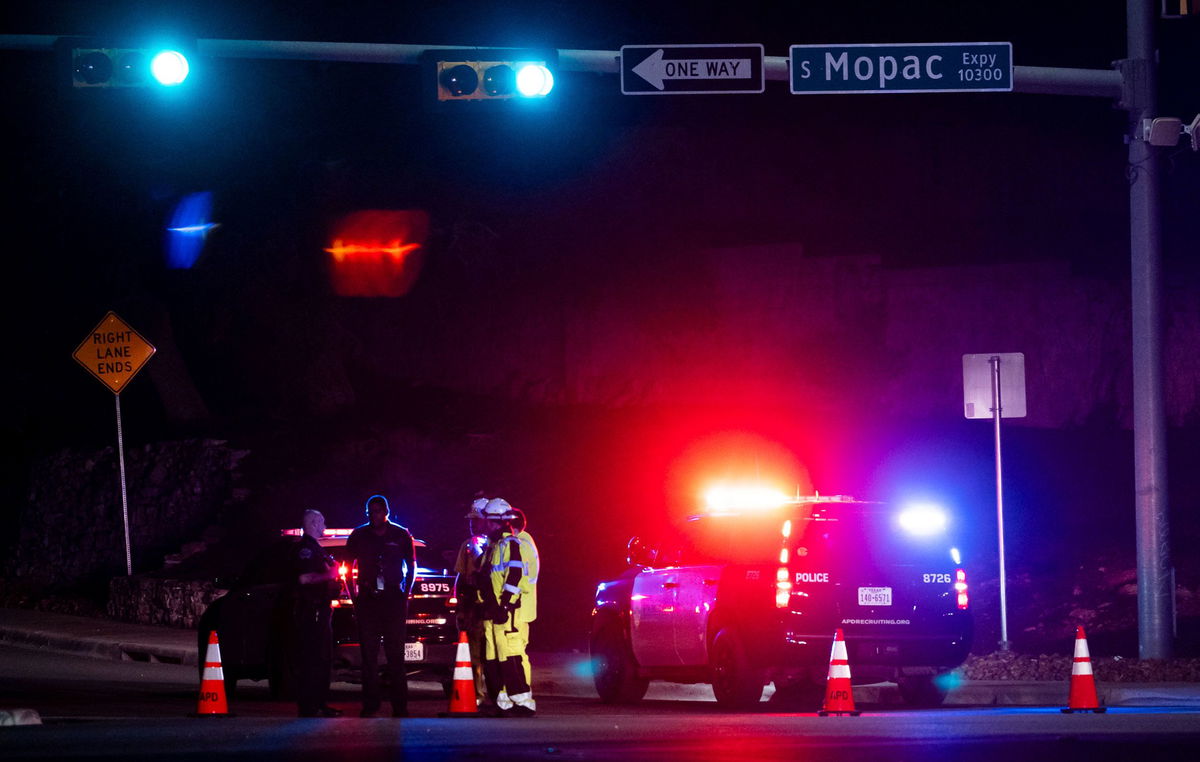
1103,83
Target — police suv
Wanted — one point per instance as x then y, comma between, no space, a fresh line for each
254,620
755,588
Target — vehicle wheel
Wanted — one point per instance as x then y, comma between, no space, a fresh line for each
922,690
736,683
799,696
614,671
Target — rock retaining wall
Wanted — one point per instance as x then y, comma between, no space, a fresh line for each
169,602
71,530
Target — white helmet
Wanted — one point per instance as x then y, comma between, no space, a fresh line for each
498,509
477,506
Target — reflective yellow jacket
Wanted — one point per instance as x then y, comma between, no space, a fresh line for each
516,552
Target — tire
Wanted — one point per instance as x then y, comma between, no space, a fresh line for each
614,670
736,683
925,691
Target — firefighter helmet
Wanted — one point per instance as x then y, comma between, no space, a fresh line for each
477,506
498,509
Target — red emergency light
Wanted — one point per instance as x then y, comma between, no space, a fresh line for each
377,252
960,587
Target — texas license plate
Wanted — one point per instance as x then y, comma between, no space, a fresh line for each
414,652
874,596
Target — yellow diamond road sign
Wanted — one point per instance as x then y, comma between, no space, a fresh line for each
113,352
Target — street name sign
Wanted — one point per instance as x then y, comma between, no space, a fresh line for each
691,69
948,67
113,352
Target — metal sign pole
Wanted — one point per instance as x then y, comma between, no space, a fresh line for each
124,500
996,409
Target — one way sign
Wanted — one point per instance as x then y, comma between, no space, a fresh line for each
691,69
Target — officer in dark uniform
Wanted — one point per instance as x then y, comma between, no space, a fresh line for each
315,577
387,565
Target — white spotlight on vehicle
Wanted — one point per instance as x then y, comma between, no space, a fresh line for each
923,519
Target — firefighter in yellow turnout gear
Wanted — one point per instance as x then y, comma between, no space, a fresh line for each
510,600
470,615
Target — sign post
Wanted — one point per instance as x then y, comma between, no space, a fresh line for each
985,391
114,353
691,69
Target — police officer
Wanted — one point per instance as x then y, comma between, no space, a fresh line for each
510,601
469,611
316,579
387,565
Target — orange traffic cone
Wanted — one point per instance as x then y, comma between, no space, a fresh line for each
839,698
462,695
1082,697
212,683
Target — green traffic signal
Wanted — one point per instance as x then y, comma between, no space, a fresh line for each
101,65
490,74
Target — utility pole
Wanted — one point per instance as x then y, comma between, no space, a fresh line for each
1156,588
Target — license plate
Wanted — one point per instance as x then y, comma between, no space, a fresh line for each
874,596
414,652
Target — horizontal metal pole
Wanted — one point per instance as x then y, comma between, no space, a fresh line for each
351,52
1104,83
27,41
599,61
776,68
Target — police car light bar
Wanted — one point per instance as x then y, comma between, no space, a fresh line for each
725,498
339,533
328,532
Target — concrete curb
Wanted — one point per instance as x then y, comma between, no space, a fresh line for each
12,717
97,638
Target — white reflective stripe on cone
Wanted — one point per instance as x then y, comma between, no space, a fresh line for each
212,672
463,673
839,670
839,651
213,653
1081,668
1081,649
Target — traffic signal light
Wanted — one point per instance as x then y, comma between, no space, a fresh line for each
103,64
491,74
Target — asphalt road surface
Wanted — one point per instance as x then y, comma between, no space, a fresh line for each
94,709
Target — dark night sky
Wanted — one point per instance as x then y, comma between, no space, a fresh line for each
288,146
848,174
617,182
